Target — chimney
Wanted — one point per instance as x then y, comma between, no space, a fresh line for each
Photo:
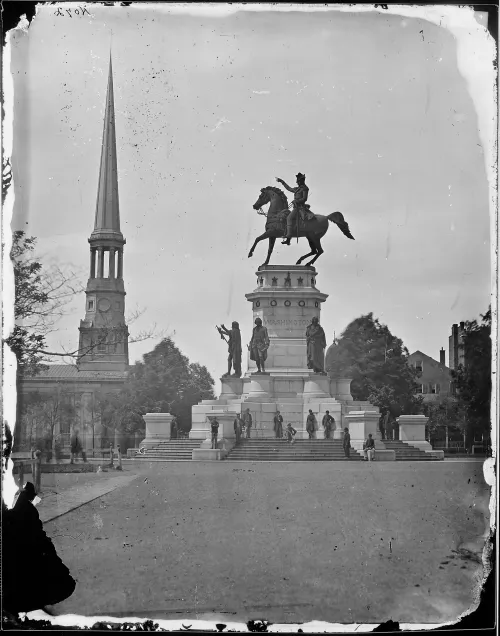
442,356
462,326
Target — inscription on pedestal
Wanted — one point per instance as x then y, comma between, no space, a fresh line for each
285,322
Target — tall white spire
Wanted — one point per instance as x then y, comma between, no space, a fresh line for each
107,215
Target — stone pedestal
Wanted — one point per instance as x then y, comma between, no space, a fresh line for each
343,389
286,299
157,429
258,387
412,431
360,424
316,386
231,388
226,438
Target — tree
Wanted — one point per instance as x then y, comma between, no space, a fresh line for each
45,417
446,413
377,362
164,382
472,380
41,294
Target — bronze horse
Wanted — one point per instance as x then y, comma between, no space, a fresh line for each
313,230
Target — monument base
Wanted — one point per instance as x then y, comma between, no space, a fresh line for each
293,394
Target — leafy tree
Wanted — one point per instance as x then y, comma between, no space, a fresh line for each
472,380
41,294
377,361
42,418
444,413
164,382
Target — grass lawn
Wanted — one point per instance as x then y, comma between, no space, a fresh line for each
291,542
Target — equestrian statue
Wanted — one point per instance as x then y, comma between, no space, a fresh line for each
297,222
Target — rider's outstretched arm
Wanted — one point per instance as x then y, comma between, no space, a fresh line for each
286,186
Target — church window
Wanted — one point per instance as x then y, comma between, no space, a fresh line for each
91,305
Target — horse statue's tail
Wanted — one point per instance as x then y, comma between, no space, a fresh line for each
338,219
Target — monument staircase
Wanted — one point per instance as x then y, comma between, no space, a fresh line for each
172,450
406,452
279,450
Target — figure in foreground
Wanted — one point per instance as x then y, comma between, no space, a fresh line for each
214,428
328,423
259,344
346,443
278,425
369,448
290,433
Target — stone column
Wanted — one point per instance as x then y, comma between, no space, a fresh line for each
112,252
92,262
120,263
412,431
100,262
157,428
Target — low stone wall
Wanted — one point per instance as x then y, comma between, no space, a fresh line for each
57,468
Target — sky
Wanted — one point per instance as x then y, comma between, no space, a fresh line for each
370,106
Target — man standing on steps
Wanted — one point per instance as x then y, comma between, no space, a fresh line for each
346,443
327,424
278,425
311,424
238,426
247,419
174,428
214,427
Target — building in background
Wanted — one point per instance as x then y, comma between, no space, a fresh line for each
456,346
66,397
435,377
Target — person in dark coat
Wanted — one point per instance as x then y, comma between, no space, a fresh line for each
290,433
328,422
77,448
214,428
311,424
346,443
238,427
174,428
28,552
278,425
369,448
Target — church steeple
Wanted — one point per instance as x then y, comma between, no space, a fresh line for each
103,332
107,214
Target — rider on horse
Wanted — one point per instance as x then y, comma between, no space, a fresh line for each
299,206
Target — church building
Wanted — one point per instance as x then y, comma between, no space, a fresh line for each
71,392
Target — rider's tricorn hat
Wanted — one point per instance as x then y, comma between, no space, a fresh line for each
300,176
